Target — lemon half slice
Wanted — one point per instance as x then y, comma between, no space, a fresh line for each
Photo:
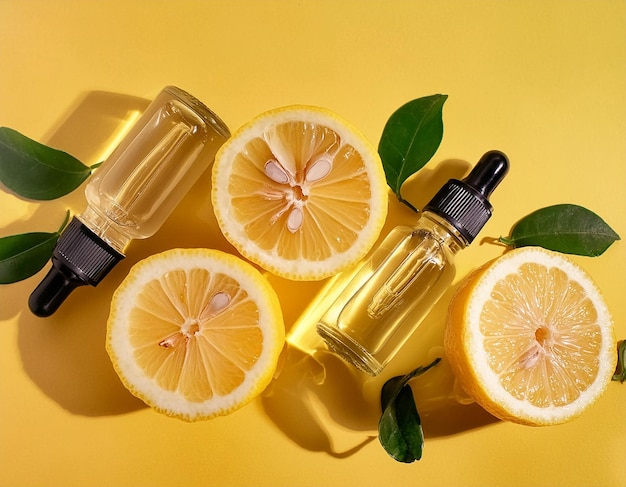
300,192
530,338
195,333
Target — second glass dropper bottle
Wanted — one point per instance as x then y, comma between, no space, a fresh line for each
133,192
385,299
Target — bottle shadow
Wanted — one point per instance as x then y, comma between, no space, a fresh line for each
89,131
325,405
64,354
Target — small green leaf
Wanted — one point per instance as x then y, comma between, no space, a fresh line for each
620,372
410,138
400,427
570,229
36,171
22,256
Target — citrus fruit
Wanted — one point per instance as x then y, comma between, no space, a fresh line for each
530,338
195,333
300,192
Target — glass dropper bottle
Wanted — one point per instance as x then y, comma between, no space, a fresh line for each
384,300
133,192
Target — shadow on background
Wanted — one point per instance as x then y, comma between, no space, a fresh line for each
323,404
65,354
317,400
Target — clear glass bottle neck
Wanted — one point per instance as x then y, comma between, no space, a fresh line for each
442,230
106,229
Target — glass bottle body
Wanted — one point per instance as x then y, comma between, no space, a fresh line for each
154,166
385,299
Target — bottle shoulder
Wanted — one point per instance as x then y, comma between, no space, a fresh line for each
431,225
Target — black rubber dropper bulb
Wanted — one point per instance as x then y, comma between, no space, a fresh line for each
55,287
488,173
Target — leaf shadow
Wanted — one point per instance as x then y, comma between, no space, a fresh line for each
422,186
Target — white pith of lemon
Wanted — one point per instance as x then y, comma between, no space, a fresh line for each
530,338
300,191
195,333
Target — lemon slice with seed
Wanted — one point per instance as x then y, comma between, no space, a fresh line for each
300,192
530,338
195,333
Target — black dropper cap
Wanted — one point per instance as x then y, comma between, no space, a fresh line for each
465,203
79,258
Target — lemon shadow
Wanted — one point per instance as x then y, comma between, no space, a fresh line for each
325,405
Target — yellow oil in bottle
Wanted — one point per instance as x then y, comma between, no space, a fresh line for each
381,305
384,301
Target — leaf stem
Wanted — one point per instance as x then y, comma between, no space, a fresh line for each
421,370
64,224
404,380
402,200
507,241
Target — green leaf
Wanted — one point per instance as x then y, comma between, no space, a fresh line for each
22,256
620,372
36,171
410,138
400,429
570,229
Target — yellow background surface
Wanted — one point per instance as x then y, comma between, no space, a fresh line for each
543,81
